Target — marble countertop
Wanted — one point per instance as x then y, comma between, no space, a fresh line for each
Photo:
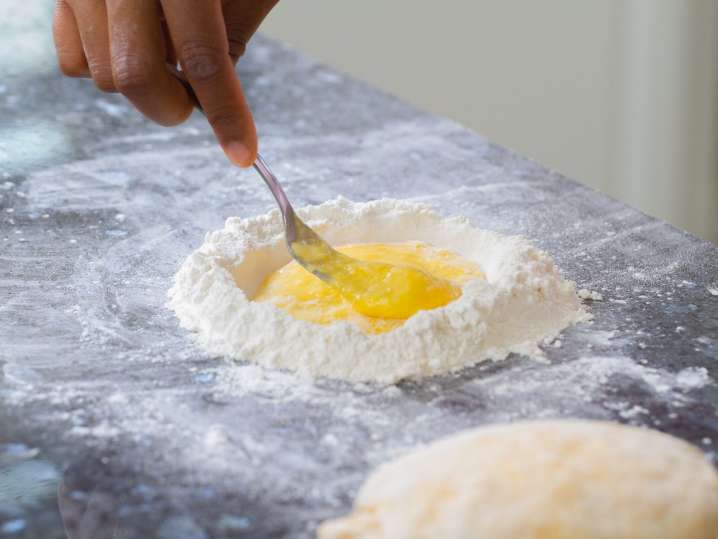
112,420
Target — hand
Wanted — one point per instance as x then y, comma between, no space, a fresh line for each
124,45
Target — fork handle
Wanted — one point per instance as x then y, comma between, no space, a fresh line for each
275,187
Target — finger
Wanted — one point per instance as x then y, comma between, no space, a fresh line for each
68,44
138,62
170,54
241,19
91,18
198,33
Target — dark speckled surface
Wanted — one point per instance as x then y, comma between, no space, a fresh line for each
112,420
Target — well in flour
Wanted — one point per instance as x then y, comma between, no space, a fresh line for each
522,301
305,297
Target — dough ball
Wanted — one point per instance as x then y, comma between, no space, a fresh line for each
540,480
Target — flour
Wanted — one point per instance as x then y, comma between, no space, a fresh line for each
693,377
589,294
522,302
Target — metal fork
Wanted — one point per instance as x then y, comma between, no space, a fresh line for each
318,257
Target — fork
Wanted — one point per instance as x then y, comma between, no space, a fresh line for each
305,245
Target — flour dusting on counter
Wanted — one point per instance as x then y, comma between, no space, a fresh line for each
522,302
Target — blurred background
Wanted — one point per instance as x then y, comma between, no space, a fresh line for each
619,94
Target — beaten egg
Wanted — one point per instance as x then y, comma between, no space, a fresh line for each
390,283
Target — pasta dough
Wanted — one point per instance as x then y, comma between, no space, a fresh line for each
540,480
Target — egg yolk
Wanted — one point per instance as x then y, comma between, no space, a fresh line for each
385,284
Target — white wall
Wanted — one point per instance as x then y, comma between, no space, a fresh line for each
621,94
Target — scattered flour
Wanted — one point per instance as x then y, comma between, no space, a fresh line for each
523,301
693,377
584,293
587,375
113,109
254,380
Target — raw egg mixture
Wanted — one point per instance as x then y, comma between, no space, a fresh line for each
376,286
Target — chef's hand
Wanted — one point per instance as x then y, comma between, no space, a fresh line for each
124,45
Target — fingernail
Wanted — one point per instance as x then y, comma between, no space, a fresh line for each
238,154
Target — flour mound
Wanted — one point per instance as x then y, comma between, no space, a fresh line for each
522,302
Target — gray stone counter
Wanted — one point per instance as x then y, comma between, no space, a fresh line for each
112,419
